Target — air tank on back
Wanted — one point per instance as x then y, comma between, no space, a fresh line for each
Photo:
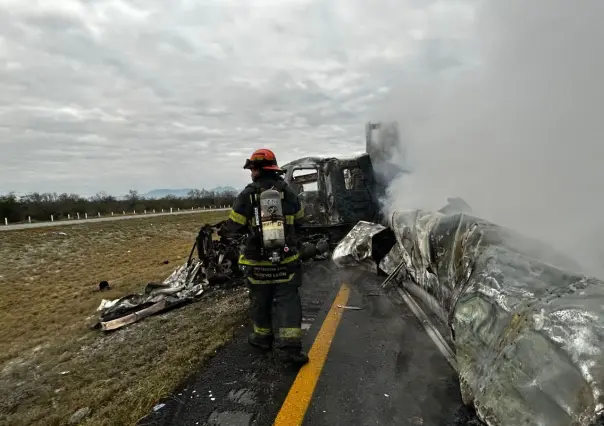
272,220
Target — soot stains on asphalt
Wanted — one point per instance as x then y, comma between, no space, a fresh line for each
241,385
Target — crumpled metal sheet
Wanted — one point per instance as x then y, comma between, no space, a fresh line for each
356,247
216,266
528,331
456,205
180,287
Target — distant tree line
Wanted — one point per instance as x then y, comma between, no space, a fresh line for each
40,206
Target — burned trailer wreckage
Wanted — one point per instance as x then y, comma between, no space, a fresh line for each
215,267
343,196
335,193
527,330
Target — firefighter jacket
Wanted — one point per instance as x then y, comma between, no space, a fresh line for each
241,220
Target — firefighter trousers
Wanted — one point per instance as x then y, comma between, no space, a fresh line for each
278,308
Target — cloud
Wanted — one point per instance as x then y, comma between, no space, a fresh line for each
519,132
499,102
140,94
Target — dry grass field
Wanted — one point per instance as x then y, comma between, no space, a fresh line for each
52,364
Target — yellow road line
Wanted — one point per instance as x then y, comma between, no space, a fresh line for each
300,394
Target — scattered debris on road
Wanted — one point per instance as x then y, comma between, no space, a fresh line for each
214,267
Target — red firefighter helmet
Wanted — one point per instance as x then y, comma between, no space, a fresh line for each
263,159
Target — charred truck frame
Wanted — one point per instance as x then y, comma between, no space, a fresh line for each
336,194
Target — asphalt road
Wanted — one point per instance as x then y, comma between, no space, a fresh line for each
101,219
381,369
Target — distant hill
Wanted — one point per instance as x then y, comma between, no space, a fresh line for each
223,189
182,192
159,193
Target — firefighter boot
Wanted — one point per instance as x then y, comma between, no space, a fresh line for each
292,356
260,341
288,318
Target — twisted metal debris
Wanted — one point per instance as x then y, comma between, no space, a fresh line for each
528,329
214,267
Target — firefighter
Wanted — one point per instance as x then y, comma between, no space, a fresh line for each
269,211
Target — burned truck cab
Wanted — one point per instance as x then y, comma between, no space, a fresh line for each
335,193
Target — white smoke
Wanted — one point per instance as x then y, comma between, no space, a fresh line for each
520,136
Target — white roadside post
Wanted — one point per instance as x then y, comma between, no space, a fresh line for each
171,211
111,213
52,219
85,215
134,211
29,219
99,214
5,221
78,216
68,216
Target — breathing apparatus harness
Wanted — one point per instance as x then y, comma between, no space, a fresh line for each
269,223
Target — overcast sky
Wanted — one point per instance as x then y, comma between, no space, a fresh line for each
119,94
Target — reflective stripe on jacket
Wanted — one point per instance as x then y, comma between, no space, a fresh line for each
241,220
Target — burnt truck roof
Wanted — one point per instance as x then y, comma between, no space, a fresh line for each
315,161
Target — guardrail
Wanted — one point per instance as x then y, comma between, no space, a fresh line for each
123,213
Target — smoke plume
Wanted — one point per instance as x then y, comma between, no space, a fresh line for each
519,135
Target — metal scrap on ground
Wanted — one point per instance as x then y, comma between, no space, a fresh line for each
335,194
215,266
